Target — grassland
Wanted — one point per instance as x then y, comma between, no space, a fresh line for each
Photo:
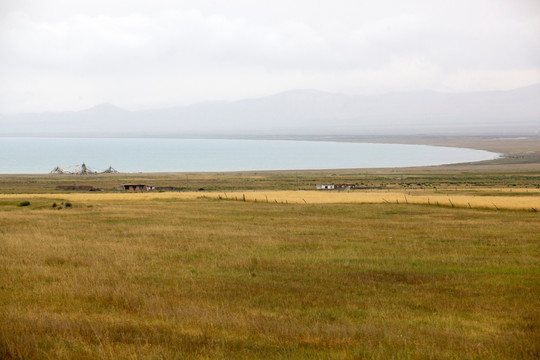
165,277
431,263
434,180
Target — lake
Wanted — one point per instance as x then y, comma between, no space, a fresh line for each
40,155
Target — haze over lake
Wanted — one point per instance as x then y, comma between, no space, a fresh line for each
41,155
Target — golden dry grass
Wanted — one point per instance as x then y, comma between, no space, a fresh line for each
518,200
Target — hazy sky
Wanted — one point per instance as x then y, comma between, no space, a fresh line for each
70,55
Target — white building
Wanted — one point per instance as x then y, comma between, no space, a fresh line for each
325,186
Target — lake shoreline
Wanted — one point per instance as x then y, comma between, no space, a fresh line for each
517,153
172,155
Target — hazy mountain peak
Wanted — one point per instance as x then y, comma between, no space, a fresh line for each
105,107
302,93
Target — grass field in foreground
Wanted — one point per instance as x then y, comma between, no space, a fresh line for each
163,278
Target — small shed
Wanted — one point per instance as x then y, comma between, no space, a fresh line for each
137,187
325,186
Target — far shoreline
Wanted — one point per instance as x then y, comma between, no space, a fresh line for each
500,143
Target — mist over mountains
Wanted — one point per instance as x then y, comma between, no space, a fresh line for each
303,112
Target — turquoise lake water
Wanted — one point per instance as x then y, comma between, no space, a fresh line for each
41,155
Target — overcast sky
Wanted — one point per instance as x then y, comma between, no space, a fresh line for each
60,55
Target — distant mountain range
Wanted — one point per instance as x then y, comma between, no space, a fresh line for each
302,112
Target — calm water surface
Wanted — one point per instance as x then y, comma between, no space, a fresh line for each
41,155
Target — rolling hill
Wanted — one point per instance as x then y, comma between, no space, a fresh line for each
305,112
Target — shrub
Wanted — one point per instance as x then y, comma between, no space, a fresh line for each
68,205
24,203
54,205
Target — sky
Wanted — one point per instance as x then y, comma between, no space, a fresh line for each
59,55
